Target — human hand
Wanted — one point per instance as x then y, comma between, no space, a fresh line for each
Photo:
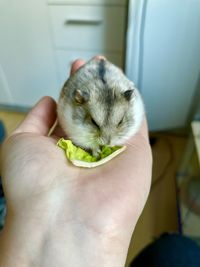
77,217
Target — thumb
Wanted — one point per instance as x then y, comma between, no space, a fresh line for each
40,119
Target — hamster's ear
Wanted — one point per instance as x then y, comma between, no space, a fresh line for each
127,94
81,97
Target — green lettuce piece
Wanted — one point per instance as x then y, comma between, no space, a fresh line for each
73,152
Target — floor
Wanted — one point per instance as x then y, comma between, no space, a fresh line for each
11,119
160,212
189,185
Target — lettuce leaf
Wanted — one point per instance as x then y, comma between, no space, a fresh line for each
73,152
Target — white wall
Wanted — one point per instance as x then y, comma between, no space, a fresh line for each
26,57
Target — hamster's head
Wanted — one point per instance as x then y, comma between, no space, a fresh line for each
99,106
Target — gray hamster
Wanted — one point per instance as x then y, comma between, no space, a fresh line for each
99,105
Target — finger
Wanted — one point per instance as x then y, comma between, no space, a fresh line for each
142,133
99,57
40,119
144,129
57,131
76,65
79,63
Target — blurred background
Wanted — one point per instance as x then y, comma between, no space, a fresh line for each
157,44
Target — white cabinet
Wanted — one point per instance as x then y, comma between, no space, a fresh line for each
40,39
83,29
88,27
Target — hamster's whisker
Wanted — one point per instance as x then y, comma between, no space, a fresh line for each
70,137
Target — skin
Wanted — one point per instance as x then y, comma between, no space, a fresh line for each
61,215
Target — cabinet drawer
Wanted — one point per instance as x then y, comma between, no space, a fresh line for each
65,59
88,27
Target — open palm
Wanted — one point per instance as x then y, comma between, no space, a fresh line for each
37,178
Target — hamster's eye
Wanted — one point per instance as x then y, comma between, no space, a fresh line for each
94,122
120,123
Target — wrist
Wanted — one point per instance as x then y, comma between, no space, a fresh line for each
26,242
20,242
84,247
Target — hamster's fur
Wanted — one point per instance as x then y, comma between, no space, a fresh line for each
99,105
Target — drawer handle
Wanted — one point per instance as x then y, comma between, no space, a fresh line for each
83,21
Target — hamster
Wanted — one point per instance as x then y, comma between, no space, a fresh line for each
99,105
